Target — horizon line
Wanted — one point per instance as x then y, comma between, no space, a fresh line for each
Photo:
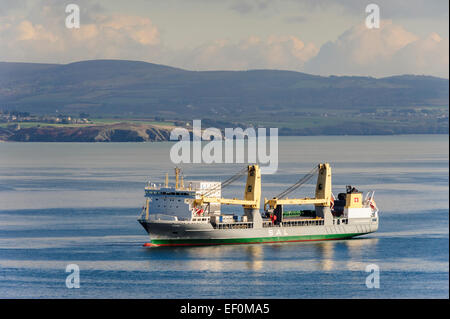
218,70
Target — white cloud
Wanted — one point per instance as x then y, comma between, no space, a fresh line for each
43,37
274,52
429,55
38,34
380,52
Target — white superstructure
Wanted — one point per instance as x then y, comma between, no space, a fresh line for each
176,201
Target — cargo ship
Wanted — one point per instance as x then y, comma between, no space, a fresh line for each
189,213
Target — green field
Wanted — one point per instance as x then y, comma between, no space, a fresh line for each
106,121
34,124
93,122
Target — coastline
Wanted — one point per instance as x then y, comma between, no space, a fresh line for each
129,132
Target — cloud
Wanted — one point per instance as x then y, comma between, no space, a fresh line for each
429,55
41,36
273,52
295,19
249,6
409,9
381,52
389,9
38,34
26,31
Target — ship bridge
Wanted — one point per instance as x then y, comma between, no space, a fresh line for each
176,199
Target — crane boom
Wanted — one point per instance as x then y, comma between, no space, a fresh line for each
252,193
298,184
226,201
323,190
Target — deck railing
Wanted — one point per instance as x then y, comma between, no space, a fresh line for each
235,225
305,222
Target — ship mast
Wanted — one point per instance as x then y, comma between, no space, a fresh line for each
177,177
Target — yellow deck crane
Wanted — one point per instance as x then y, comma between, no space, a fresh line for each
252,195
322,200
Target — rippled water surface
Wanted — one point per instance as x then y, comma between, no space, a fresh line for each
77,203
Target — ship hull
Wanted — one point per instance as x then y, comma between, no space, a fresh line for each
191,234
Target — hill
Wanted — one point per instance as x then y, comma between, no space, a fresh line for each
121,132
293,101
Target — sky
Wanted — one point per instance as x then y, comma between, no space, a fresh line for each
321,37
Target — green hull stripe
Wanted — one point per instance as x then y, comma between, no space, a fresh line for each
224,241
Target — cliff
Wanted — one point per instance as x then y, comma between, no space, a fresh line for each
122,132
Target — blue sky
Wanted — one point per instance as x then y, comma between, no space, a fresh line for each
315,36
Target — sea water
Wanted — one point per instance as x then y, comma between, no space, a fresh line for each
77,203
